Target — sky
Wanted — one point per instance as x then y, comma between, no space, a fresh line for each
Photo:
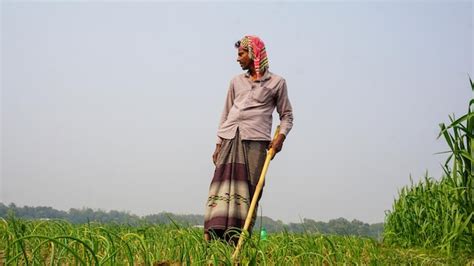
115,105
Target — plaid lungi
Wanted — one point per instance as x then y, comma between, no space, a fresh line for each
238,168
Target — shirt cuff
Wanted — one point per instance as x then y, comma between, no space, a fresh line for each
218,140
284,131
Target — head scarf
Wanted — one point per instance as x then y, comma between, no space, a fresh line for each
256,49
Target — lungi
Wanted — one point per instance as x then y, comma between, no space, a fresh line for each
238,168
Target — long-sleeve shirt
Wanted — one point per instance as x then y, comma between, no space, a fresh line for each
249,106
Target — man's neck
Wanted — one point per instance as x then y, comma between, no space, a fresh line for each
253,73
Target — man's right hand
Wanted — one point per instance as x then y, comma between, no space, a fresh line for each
216,153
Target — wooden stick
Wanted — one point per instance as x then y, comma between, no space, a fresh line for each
256,194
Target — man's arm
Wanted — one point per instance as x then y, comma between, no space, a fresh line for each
229,102
285,111
216,153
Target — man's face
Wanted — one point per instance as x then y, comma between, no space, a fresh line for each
244,59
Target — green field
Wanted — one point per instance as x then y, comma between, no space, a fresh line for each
58,242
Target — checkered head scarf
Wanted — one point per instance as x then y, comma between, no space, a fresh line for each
256,49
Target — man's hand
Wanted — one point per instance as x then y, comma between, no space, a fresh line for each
277,144
216,153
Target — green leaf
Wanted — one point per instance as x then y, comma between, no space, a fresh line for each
442,152
447,136
466,155
472,84
456,122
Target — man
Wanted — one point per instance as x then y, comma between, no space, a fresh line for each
243,137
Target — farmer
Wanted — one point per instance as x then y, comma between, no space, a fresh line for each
243,136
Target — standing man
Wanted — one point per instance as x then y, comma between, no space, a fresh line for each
243,137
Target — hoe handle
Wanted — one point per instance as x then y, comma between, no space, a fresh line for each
258,190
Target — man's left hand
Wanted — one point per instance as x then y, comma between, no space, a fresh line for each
277,144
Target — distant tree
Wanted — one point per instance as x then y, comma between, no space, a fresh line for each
3,210
339,226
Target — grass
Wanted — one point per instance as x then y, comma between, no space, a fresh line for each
53,242
440,214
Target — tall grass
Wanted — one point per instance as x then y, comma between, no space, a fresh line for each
51,242
440,214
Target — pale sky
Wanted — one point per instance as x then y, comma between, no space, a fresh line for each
115,105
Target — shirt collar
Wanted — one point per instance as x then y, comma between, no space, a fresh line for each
265,76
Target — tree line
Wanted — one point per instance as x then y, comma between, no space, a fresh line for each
339,226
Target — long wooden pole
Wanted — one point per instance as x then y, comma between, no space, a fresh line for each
256,194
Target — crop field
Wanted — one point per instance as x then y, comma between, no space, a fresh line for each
56,242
